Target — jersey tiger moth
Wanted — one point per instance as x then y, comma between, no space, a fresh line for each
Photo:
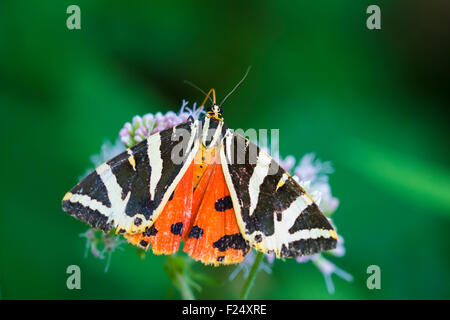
202,183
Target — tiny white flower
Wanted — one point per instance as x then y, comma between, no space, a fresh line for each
109,242
247,264
310,169
328,268
137,121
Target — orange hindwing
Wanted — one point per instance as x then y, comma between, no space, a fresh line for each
200,212
172,223
215,237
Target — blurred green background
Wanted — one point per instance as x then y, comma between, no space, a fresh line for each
375,103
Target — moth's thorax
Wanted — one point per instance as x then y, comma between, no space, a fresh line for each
212,132
214,112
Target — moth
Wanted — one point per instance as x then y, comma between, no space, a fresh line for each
203,184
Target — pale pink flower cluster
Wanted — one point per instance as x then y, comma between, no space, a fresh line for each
313,176
141,128
108,242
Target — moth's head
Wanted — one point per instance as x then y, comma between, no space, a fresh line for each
214,112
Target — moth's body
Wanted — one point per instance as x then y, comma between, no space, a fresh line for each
224,197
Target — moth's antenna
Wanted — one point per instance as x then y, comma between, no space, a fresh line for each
196,87
207,96
236,86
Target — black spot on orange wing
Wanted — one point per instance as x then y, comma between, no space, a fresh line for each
196,232
152,231
177,228
223,204
220,258
137,221
233,241
171,196
143,243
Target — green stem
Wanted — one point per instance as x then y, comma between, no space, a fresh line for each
185,289
252,276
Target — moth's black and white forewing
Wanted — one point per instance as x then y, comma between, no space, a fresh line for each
273,212
129,191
